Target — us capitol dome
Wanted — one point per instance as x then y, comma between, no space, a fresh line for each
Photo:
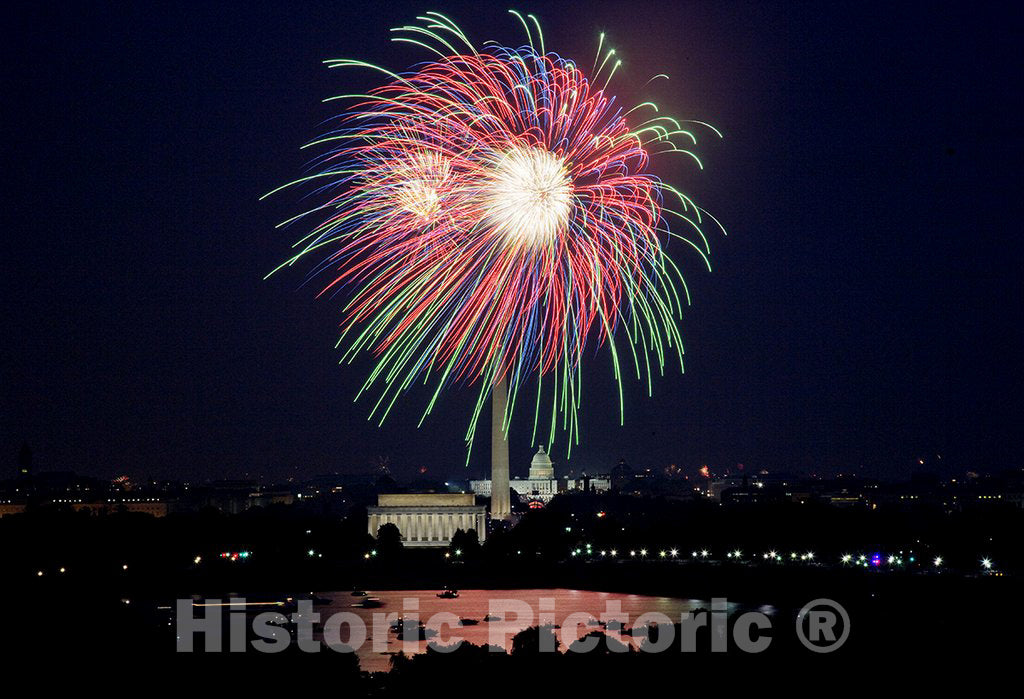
541,467
541,485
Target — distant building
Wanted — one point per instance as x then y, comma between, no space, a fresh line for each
234,496
717,486
428,519
846,500
149,506
541,485
266,498
588,484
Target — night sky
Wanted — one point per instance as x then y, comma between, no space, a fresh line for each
864,310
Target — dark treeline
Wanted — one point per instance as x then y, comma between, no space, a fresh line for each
292,547
118,568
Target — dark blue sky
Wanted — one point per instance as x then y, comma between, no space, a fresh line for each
864,309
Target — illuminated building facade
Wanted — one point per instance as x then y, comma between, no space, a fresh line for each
541,485
428,519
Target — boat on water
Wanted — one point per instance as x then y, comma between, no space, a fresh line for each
448,593
468,622
399,624
369,603
359,593
416,633
315,599
492,617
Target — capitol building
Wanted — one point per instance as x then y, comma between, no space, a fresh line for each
431,519
541,485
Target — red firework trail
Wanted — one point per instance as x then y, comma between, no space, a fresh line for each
490,214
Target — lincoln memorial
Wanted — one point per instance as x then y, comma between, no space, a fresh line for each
428,519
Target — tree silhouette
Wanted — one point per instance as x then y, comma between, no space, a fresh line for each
466,543
389,539
534,640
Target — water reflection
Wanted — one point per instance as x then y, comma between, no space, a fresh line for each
493,617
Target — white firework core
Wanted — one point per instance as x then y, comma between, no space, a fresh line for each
528,196
420,182
419,198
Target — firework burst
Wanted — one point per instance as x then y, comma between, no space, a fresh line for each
490,215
